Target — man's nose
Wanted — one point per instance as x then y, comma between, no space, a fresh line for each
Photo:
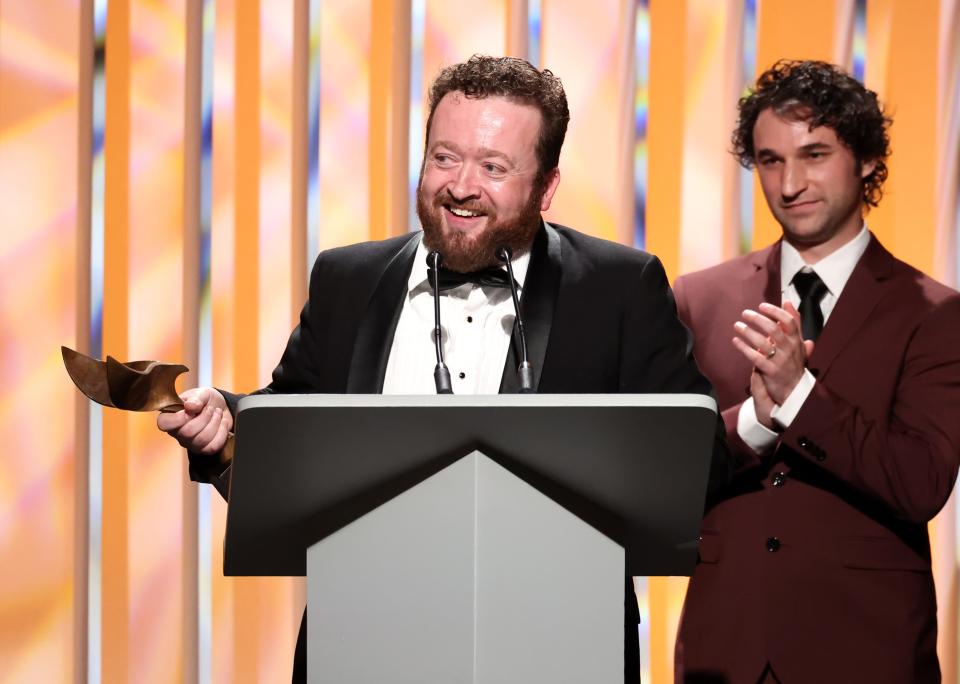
464,186
793,181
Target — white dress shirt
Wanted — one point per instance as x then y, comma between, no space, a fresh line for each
477,324
834,270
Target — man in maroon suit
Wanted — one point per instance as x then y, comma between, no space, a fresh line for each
840,390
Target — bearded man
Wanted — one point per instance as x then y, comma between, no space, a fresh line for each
599,316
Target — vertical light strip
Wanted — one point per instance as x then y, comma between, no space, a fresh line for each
641,589
418,22
641,111
95,461
748,71
534,32
313,153
859,57
205,343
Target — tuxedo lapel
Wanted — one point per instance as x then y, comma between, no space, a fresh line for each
537,303
857,301
368,364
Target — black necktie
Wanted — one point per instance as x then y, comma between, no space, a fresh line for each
491,277
811,290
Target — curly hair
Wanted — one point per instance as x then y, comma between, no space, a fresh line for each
518,81
820,94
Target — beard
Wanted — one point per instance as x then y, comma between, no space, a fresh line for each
468,251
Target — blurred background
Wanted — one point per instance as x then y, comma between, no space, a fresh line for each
170,168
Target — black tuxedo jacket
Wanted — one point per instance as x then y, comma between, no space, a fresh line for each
599,317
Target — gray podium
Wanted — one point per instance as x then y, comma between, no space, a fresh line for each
478,539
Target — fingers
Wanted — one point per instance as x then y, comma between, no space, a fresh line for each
757,340
786,321
223,430
203,424
758,360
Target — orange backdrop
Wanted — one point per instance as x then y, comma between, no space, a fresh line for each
168,169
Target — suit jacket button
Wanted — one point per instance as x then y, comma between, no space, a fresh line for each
821,455
773,544
779,479
803,442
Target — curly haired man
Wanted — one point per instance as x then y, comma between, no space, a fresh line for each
840,390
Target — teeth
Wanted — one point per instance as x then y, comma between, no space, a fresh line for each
462,212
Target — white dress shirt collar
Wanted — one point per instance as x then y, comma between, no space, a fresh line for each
834,269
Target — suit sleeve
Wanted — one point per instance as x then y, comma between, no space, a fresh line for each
909,461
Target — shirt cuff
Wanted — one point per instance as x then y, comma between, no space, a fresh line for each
753,433
785,414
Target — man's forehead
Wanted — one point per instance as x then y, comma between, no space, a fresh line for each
797,121
458,113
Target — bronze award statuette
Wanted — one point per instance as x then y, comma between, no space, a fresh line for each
132,386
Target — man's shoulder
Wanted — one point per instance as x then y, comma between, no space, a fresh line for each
370,255
371,249
737,267
587,248
922,291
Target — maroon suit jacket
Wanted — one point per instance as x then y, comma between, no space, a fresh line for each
816,557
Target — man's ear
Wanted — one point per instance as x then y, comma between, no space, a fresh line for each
552,181
867,167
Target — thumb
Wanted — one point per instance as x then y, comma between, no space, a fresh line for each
193,402
808,347
792,310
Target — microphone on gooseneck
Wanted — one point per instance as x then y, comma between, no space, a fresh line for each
441,374
524,370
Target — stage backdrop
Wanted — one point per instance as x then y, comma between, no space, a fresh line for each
170,168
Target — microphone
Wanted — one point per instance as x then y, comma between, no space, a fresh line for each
524,370
441,374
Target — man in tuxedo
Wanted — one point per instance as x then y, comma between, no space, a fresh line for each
599,316
837,370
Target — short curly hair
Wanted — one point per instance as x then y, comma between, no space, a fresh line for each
518,81
821,94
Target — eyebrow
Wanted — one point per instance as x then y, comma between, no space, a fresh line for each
484,151
811,147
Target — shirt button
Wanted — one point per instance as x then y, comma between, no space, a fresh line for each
773,545
463,375
469,319
779,479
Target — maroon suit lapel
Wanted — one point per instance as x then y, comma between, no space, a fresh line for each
860,296
768,273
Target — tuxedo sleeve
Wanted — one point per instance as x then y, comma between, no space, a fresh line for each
908,460
657,355
296,373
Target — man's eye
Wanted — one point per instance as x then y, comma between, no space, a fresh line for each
493,169
768,161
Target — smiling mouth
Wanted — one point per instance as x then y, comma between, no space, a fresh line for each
460,212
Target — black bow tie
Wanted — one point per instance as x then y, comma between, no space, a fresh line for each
490,277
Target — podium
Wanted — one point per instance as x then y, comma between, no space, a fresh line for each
467,539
